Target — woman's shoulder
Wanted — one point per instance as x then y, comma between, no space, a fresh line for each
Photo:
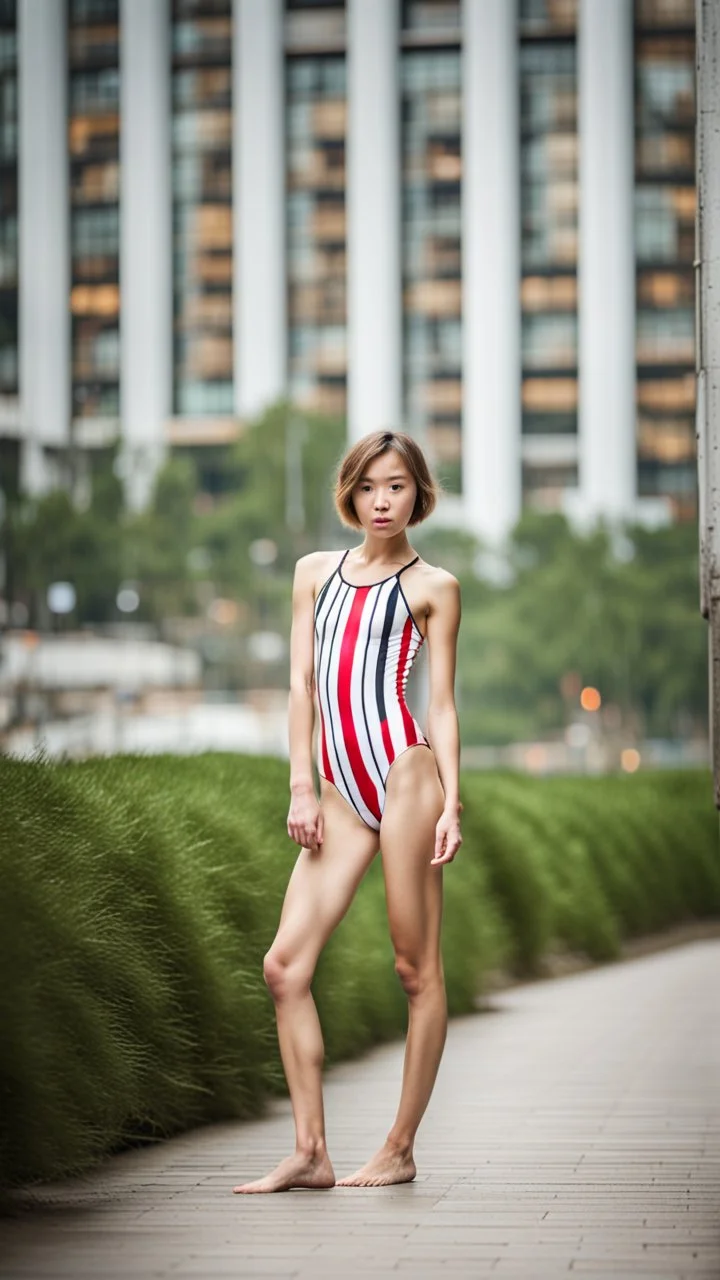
315,566
437,578
440,589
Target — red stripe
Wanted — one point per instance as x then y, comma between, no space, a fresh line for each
347,652
387,740
325,757
408,723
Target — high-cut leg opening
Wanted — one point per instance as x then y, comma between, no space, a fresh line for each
403,752
347,803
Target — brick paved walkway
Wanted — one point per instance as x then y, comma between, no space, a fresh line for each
574,1129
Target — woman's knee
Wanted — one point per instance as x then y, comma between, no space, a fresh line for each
415,977
285,976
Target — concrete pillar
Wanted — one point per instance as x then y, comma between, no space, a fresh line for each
708,346
259,283
44,252
373,222
146,333
606,268
492,489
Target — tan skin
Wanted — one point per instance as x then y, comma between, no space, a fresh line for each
419,834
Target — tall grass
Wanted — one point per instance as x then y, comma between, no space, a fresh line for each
139,896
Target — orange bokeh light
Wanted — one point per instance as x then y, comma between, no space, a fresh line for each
630,760
590,699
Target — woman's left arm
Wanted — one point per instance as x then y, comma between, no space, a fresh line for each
443,622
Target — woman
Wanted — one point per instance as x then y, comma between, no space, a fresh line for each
359,618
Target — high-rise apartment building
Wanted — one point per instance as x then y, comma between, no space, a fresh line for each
473,219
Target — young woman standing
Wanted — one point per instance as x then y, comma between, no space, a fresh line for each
359,618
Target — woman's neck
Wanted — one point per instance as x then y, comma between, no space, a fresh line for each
383,551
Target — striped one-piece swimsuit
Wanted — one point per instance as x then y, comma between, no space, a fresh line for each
366,640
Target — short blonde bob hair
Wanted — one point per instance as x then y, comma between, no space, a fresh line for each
356,461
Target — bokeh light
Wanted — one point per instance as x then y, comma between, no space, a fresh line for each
590,699
630,760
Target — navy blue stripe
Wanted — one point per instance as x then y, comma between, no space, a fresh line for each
382,652
328,611
323,591
410,612
321,636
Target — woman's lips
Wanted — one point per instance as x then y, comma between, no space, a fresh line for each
381,520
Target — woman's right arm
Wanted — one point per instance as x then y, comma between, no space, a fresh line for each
305,820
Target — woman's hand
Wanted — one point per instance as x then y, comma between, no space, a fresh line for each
447,836
305,819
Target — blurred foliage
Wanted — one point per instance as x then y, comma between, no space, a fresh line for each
615,610
145,893
618,611
99,544
140,895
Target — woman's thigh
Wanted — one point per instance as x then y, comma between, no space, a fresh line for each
413,804
324,881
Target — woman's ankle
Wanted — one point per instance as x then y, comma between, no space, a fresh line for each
400,1145
312,1148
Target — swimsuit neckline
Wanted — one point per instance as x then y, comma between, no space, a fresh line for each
359,586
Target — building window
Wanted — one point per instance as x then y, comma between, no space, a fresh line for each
548,17
8,199
315,26
549,231
202,206
543,487
665,246
431,18
316,252
666,14
94,139
431,247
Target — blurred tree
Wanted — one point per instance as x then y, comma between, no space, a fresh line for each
53,541
157,543
284,466
620,610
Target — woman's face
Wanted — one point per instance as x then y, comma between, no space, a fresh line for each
384,496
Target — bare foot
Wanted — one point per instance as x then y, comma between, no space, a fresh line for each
385,1168
300,1170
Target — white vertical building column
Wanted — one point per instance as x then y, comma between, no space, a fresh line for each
492,476
44,250
146,332
606,267
373,218
259,284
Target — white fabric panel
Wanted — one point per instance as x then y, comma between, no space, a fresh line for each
366,654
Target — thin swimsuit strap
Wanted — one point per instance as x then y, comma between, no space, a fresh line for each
407,566
381,580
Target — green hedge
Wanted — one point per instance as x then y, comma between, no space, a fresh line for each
140,894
